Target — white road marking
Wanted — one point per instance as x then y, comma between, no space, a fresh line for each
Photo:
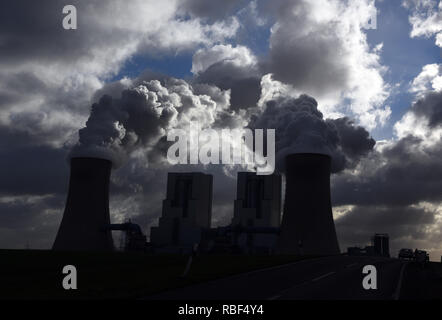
351,265
397,292
280,294
281,266
324,276
245,274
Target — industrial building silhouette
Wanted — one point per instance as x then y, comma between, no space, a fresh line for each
257,206
380,246
86,214
187,210
307,225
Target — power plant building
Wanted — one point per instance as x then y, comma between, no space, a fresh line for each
86,215
381,244
187,210
258,206
307,224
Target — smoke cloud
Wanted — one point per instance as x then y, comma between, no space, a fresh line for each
139,119
301,128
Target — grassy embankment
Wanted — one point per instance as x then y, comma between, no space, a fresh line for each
35,274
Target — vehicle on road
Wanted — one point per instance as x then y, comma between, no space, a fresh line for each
406,254
421,256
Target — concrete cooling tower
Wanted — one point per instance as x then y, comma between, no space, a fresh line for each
307,224
86,214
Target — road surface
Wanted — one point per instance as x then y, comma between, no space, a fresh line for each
328,278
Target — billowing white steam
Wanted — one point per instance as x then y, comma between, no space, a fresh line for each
301,128
140,118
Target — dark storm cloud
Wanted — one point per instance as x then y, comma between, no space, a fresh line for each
37,127
306,62
27,211
36,113
243,81
405,225
306,57
211,9
36,170
388,186
430,107
22,82
31,31
28,164
383,219
403,174
30,221
20,87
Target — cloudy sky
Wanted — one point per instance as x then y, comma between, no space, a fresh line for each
314,70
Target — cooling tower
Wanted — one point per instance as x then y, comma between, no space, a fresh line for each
86,214
307,224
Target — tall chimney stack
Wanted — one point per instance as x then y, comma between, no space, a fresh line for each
86,214
307,224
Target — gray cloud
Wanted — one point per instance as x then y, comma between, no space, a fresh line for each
406,226
33,170
231,68
27,167
212,10
390,187
430,107
32,32
243,81
402,174
405,172
29,220
27,211
304,53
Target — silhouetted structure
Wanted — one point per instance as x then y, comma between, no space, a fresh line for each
381,244
134,239
187,210
258,205
358,251
86,214
355,251
307,224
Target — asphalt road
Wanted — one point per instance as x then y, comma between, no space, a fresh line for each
328,278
